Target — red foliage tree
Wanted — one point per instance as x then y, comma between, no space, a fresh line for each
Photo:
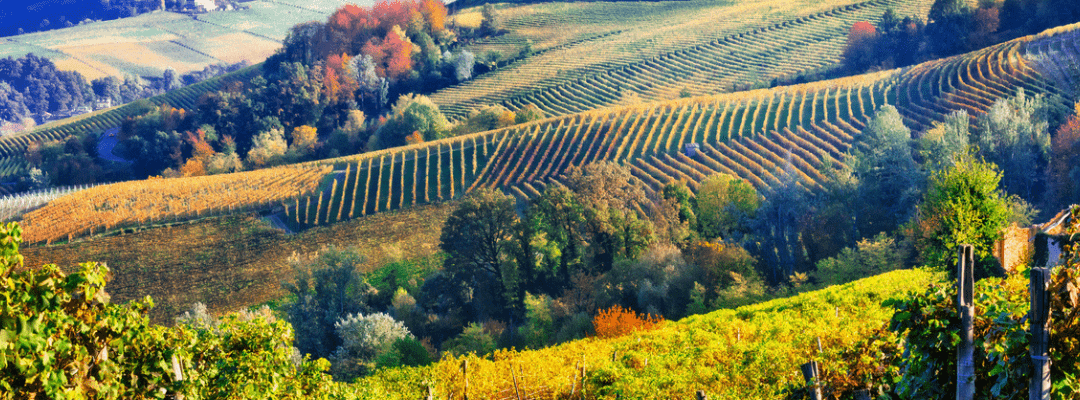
859,53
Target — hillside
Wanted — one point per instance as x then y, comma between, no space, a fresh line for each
148,44
750,352
592,55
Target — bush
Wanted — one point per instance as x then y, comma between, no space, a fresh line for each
617,321
364,339
872,256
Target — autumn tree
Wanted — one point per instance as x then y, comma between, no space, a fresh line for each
1014,135
267,145
618,321
1064,176
725,204
411,113
859,53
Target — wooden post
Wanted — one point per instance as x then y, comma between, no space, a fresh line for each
465,376
701,395
965,365
517,393
1039,389
178,374
811,371
430,394
819,344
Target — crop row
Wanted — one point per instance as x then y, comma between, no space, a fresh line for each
756,135
186,97
107,207
393,180
14,206
707,67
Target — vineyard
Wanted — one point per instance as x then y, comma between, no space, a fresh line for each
755,135
12,147
14,206
750,352
699,60
109,207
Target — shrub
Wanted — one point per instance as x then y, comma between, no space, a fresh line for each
618,321
873,256
364,338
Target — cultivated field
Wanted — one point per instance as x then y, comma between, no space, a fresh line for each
148,44
592,55
754,135
752,352
135,203
231,262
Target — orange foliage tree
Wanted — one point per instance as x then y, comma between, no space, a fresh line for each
861,43
618,321
1064,172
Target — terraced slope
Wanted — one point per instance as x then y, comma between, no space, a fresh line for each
756,135
700,48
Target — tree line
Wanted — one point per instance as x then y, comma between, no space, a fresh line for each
951,27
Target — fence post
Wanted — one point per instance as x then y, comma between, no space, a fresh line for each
965,365
811,371
178,374
1039,389
517,393
465,376
701,395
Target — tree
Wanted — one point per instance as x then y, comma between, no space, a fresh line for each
1064,176
1014,135
327,289
266,146
528,113
889,178
364,338
940,145
859,53
489,22
463,65
962,205
611,199
948,26
304,139
725,204
777,227
618,321
411,113
477,237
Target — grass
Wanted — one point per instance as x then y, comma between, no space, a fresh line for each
236,261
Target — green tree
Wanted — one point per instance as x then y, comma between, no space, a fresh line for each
327,289
962,205
889,178
477,238
1014,135
411,113
725,204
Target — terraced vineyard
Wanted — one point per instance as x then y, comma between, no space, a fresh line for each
96,123
711,55
756,135
108,207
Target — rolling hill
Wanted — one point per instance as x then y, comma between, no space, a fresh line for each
148,44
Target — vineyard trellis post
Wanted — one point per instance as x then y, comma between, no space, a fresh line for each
465,377
811,371
1039,389
701,395
965,365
